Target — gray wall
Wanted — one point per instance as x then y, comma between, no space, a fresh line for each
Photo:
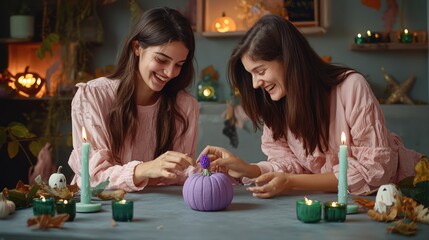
347,19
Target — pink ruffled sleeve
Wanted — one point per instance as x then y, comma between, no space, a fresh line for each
373,153
281,158
89,109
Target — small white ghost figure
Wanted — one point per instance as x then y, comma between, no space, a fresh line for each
386,197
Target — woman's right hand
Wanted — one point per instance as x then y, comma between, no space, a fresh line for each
163,166
235,167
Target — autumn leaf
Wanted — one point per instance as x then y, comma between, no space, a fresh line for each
35,147
12,149
47,221
19,130
422,170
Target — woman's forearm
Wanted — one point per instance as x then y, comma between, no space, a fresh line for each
315,182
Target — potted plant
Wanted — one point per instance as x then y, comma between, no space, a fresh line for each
22,22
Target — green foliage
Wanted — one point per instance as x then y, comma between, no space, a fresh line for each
14,136
47,44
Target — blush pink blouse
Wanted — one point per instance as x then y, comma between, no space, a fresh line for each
375,155
90,108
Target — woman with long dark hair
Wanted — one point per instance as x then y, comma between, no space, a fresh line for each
141,122
303,104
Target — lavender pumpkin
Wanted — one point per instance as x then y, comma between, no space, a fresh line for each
207,191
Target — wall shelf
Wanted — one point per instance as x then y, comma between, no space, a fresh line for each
209,10
388,46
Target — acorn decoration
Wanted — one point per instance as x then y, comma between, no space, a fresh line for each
208,191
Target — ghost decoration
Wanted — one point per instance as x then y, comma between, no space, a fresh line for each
58,180
386,197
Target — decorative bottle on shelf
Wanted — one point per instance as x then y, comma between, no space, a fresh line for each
207,89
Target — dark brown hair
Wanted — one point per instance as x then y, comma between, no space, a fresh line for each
308,82
156,27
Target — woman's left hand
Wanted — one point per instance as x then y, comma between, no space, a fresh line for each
271,184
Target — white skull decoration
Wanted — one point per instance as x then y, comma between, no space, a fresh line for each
386,197
58,180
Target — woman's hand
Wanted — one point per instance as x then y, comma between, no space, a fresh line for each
163,166
233,165
271,184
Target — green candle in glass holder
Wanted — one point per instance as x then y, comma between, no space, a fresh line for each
43,206
406,37
67,206
122,210
335,212
308,211
207,89
359,39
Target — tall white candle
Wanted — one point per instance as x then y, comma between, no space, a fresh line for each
342,175
85,191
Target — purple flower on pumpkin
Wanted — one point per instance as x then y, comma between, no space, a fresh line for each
205,161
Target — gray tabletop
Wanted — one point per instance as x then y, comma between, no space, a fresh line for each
160,213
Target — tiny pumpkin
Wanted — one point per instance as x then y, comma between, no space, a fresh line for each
58,180
6,206
207,191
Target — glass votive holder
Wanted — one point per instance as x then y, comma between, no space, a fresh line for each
66,206
406,37
308,211
359,39
43,206
122,210
335,212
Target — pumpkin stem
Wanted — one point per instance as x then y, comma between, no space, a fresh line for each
59,169
206,172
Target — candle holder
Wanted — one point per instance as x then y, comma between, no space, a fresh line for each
335,212
406,37
67,206
308,211
207,89
359,39
43,206
122,210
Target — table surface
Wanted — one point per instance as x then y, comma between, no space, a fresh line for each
160,213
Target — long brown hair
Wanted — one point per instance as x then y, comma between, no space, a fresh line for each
156,27
308,82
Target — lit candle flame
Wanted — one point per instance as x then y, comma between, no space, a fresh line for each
43,198
359,35
343,138
308,201
65,202
207,92
83,134
368,33
406,31
334,204
123,201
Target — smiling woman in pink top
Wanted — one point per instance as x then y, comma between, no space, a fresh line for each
140,121
303,104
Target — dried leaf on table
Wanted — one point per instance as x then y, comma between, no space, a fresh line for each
422,214
366,203
422,170
403,227
117,195
383,217
47,221
59,193
22,195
